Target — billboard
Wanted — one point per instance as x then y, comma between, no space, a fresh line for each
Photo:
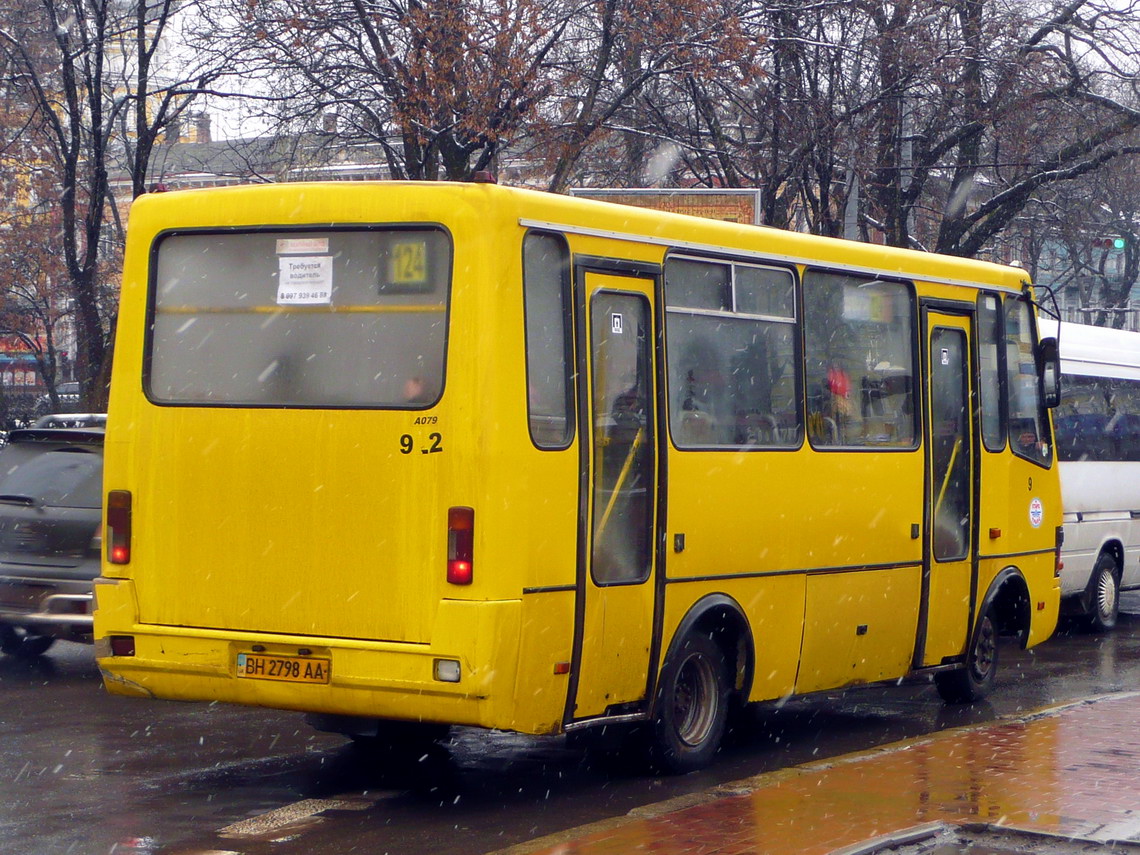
733,205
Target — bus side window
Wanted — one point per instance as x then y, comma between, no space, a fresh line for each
989,356
546,294
731,354
859,351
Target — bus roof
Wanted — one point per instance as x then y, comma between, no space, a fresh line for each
359,202
1095,351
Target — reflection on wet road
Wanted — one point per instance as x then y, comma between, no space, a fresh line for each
87,773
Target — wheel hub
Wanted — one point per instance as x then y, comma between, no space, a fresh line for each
695,701
1106,595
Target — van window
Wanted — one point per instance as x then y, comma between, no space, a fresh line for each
1099,419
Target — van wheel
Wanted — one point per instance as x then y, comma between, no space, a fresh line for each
691,706
972,683
1104,590
22,644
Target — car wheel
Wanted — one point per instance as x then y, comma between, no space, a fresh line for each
691,706
1104,589
9,640
21,644
972,683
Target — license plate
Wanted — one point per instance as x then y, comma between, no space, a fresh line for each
290,669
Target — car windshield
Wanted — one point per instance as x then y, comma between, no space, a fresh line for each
67,477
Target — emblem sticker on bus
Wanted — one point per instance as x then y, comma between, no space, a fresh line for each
302,246
1036,512
615,323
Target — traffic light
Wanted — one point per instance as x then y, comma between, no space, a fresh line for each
1108,243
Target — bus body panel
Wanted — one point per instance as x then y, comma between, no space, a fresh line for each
774,609
377,680
798,510
546,648
1006,540
859,627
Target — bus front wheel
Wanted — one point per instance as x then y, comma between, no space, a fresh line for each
972,683
691,706
1104,594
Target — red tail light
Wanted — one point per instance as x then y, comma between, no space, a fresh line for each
460,545
118,532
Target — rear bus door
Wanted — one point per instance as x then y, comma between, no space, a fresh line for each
948,577
618,503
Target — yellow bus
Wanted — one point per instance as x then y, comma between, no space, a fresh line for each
463,454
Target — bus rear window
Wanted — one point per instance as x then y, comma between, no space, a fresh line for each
344,318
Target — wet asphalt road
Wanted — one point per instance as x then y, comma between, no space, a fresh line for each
85,773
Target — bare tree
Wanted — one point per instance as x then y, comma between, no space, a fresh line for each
621,58
439,85
937,121
1089,240
83,71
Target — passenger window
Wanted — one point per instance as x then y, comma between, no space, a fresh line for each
546,287
699,285
859,352
989,353
732,355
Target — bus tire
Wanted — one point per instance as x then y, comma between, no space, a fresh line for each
1104,594
974,681
691,706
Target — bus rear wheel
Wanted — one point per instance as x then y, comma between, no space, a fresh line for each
691,706
972,683
1104,594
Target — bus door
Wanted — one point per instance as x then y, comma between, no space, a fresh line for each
616,574
951,467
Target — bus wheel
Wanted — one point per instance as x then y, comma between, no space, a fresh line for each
973,682
691,706
1105,594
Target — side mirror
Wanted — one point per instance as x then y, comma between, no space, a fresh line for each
1049,371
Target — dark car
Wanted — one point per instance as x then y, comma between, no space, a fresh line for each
51,483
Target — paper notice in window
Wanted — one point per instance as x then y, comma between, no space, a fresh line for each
301,246
305,280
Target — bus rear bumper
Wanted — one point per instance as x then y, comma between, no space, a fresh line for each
450,680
